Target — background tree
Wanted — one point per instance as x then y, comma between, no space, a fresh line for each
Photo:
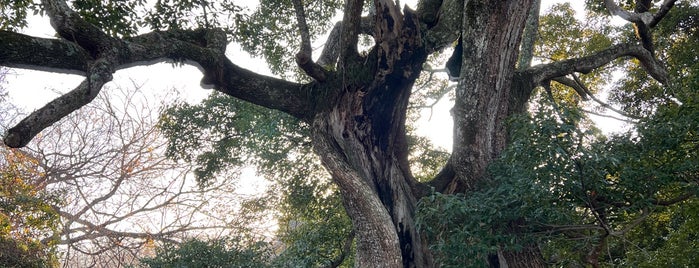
29,221
354,99
120,195
212,253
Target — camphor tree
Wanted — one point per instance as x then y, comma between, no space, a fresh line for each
353,101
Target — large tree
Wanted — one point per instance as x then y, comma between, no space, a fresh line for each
354,101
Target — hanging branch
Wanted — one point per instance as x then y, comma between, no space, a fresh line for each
598,101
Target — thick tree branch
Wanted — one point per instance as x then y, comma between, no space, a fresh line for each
55,55
204,48
447,22
220,72
586,64
331,49
349,35
529,37
99,73
69,25
645,17
304,58
101,47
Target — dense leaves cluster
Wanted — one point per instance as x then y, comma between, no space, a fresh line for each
29,219
210,254
271,30
574,191
628,199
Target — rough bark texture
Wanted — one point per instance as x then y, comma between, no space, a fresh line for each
361,139
491,37
357,109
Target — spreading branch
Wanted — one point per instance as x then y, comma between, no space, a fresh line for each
642,19
586,64
86,50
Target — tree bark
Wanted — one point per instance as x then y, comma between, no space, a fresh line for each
486,96
361,140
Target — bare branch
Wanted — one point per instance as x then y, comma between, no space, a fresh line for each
598,101
109,159
609,116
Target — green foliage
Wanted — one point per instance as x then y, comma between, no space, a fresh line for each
115,17
676,41
313,226
210,254
271,30
222,133
13,13
29,221
562,36
575,192
531,184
